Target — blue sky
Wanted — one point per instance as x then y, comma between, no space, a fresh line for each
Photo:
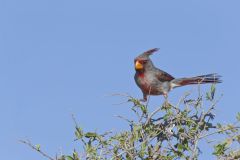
62,57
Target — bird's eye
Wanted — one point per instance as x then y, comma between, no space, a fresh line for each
142,61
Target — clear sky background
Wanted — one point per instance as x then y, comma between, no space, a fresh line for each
59,57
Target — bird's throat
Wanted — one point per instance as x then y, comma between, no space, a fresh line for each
141,75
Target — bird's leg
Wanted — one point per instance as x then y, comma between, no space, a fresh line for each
144,98
166,100
165,96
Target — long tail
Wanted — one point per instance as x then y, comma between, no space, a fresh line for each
209,78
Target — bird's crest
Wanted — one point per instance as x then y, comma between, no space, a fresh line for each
149,52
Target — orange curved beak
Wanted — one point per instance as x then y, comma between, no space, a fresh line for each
138,65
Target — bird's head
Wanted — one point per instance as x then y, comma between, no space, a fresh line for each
143,61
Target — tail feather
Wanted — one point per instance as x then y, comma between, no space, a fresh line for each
203,79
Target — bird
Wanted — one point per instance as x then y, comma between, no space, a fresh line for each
154,81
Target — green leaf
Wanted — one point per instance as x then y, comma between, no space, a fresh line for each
238,138
75,155
180,147
79,133
220,149
91,135
143,108
38,147
210,95
219,126
135,101
238,116
165,117
186,147
213,90
69,158
143,149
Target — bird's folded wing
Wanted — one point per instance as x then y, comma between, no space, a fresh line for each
163,76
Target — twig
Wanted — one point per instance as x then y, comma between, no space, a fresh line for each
36,149
76,127
118,104
221,130
121,117
121,94
152,114
74,120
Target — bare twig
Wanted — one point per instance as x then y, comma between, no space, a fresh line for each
28,143
152,114
121,117
218,131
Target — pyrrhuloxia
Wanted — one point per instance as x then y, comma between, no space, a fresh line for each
153,81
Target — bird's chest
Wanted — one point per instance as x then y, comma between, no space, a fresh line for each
147,82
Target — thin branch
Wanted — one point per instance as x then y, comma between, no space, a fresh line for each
218,131
152,114
121,117
28,143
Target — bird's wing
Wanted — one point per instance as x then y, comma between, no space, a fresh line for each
163,76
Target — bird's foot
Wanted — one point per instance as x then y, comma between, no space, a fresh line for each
166,103
165,97
142,100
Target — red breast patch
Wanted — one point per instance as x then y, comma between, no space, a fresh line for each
141,75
